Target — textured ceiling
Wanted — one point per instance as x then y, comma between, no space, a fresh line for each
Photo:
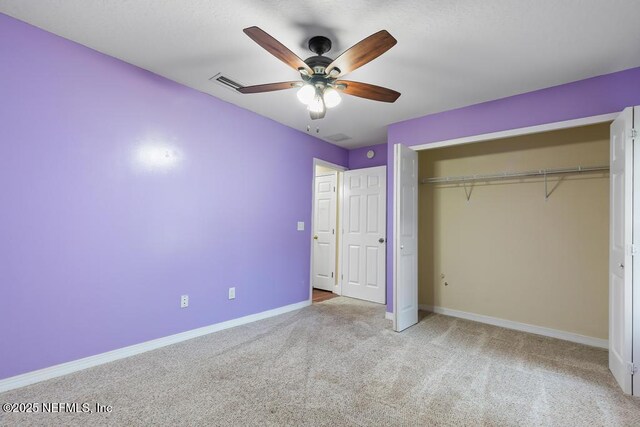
450,53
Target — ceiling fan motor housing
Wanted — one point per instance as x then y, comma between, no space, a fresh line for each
319,45
318,63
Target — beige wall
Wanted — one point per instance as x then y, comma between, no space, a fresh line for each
323,170
508,253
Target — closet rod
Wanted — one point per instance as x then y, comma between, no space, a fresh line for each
510,175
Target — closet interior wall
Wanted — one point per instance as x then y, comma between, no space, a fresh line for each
509,252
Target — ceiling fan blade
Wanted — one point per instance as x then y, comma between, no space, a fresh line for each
368,91
268,87
277,49
363,52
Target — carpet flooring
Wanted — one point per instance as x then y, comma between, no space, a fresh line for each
338,363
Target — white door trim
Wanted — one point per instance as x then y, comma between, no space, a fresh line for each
309,232
566,124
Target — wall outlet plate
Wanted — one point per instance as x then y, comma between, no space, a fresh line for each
232,293
184,301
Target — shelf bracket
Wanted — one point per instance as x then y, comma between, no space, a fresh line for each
546,191
467,193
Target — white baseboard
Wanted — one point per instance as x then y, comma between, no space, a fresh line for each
99,359
524,327
388,315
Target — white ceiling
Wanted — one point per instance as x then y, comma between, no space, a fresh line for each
450,53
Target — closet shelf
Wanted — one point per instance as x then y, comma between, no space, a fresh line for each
512,175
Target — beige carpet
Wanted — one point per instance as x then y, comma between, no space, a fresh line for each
338,363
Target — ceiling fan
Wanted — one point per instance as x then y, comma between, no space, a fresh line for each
321,84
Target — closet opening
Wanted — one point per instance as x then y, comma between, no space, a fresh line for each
515,232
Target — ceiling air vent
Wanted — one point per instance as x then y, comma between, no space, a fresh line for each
338,137
225,81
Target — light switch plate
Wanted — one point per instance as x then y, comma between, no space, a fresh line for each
232,293
300,225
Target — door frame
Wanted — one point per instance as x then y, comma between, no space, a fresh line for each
528,130
339,170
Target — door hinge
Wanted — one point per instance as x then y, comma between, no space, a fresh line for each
334,189
332,274
341,276
634,250
633,369
333,231
634,133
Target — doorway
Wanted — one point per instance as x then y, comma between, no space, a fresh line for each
612,260
348,239
325,223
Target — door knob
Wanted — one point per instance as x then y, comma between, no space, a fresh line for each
401,246
315,237
621,265
381,240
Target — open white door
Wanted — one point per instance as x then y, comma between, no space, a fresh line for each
620,250
365,218
324,233
405,254
635,278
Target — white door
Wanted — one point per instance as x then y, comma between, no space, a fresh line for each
620,260
405,295
635,278
364,237
324,233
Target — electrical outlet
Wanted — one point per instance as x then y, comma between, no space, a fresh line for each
300,225
232,293
184,301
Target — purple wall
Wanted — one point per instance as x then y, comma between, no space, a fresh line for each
358,157
100,233
590,97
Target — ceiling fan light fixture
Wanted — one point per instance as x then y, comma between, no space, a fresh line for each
331,97
319,88
306,94
316,105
